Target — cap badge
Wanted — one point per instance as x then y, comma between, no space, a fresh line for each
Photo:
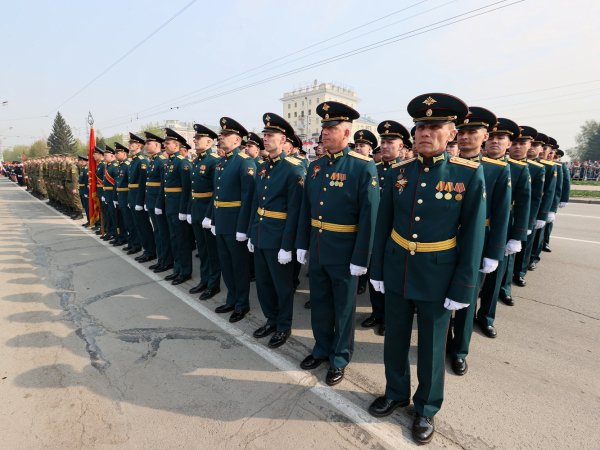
326,116
429,101
268,118
325,107
223,121
387,125
495,129
466,121
428,113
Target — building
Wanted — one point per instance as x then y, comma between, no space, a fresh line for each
299,108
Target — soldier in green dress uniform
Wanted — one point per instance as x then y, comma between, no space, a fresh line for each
272,230
83,186
337,221
111,171
125,215
98,155
420,259
557,196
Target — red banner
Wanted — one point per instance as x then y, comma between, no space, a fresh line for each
93,201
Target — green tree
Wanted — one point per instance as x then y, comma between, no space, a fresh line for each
38,148
61,139
588,141
154,128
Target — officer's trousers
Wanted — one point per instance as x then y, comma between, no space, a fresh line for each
210,268
536,250
506,284
131,233
275,288
548,232
85,204
490,292
162,226
432,322
235,267
181,246
524,256
141,223
463,325
333,306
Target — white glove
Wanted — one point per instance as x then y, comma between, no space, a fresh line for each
539,224
357,271
562,204
489,265
301,256
451,305
551,217
250,246
206,223
157,211
529,232
181,217
103,199
512,246
85,196
116,204
213,230
284,257
378,286
145,208
240,237
139,208
188,218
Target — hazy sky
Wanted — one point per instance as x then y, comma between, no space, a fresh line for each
536,62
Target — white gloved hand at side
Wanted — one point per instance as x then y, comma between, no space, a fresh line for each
529,232
250,246
301,256
188,218
206,223
562,204
157,211
103,199
213,230
240,237
378,286
489,265
539,224
284,257
357,271
551,217
145,208
512,246
116,204
139,208
181,217
451,305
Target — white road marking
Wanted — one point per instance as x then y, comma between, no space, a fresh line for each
385,432
576,240
561,214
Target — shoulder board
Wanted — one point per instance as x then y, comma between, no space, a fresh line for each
162,157
401,163
359,156
464,162
243,155
379,163
514,161
127,162
292,160
214,156
535,163
548,163
180,157
498,162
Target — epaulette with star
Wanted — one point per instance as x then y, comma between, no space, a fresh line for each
535,163
358,155
464,162
402,163
243,155
515,161
292,160
494,161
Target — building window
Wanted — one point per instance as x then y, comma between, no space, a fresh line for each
289,106
309,112
318,100
295,105
295,114
289,115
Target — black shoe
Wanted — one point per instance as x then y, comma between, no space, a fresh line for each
334,376
127,248
310,362
119,243
224,308
77,216
488,330
198,288
107,237
252,278
307,305
209,293
383,406
98,232
459,366
508,300
279,338
146,258
264,331
361,289
380,330
154,266
369,322
532,266
180,280
519,281
171,277
161,269
546,248
86,225
137,258
134,250
236,316
422,429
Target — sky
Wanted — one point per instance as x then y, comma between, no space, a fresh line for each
133,62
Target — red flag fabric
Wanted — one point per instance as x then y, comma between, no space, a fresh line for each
93,201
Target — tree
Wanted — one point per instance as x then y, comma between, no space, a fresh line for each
61,139
588,141
38,148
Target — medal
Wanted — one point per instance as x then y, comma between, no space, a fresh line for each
448,189
340,183
439,195
458,197
448,196
439,188
332,183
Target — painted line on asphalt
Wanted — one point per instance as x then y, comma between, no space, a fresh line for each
577,215
385,432
576,240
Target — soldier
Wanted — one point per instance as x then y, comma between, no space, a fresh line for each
557,197
203,175
533,147
497,283
408,146
566,187
272,230
124,214
102,224
336,224
83,186
154,176
71,180
176,186
421,261
364,142
473,131
452,148
111,171
393,136
230,216
254,145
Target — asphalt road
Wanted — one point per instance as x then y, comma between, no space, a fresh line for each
98,352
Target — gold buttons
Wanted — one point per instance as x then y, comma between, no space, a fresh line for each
324,189
412,253
320,231
423,184
417,219
415,236
420,201
264,198
265,187
426,169
320,217
321,203
260,218
327,175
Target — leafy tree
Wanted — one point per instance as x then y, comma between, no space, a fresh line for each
61,139
588,141
38,148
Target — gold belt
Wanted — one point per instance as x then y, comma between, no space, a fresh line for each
201,194
82,185
153,183
487,222
133,186
175,189
271,214
107,188
333,226
122,189
227,204
99,186
423,247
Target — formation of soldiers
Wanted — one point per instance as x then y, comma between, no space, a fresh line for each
434,218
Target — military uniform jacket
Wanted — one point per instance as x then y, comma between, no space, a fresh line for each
549,189
110,179
277,202
339,209
559,187
521,200
176,186
137,180
203,177
566,184
72,178
234,190
154,177
429,203
100,178
538,175
123,183
303,161
83,181
498,195
382,170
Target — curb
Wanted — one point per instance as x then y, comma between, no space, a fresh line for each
591,201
